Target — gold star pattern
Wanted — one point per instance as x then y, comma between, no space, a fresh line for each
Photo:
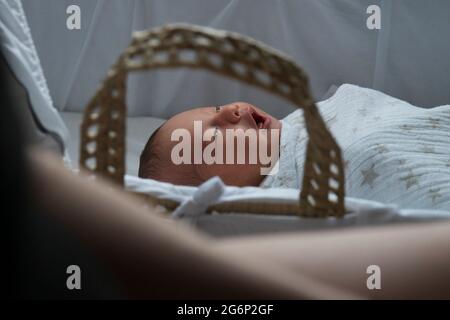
434,194
410,180
369,175
406,127
362,112
435,122
347,162
427,149
381,148
285,180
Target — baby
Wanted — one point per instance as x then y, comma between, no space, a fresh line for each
220,128
393,152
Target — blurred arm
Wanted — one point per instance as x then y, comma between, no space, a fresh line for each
155,258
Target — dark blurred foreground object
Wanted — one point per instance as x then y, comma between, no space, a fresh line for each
39,250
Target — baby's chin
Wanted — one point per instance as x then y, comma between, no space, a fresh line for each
275,124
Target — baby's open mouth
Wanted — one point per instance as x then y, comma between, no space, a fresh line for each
262,122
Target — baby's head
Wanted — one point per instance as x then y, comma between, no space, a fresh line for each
200,143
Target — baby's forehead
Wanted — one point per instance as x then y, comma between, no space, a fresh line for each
185,119
194,112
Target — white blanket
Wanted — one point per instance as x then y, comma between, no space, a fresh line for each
394,152
194,201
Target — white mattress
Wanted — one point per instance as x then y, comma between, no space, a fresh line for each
360,212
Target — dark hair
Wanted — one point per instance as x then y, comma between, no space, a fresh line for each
150,159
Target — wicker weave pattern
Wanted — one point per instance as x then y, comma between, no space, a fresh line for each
233,55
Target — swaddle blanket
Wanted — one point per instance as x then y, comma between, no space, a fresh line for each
393,152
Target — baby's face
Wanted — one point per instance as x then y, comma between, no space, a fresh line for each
214,136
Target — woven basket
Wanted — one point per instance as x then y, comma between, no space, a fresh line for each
102,145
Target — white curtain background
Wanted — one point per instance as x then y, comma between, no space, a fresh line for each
409,57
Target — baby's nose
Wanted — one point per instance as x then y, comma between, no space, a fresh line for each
231,113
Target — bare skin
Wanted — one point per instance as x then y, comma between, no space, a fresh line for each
330,265
98,212
413,258
236,115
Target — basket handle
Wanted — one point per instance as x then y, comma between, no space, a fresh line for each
102,143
